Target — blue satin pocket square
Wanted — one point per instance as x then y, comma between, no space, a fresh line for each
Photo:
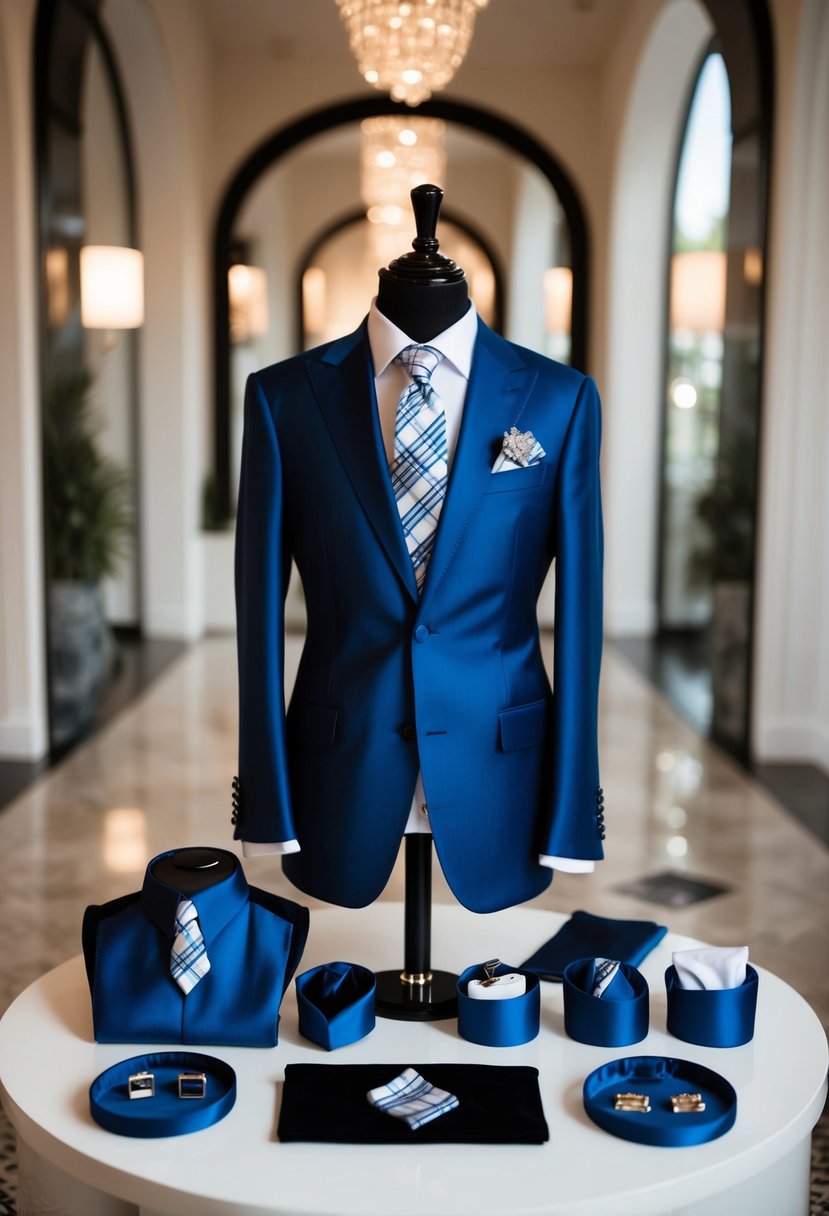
336,1004
585,935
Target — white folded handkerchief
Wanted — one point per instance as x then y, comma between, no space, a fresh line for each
503,464
411,1098
711,967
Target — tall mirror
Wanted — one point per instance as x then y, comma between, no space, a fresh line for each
91,304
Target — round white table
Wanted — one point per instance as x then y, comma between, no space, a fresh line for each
69,1164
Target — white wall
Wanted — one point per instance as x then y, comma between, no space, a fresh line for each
791,709
165,64
23,712
639,247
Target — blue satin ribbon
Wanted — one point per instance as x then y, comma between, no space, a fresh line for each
505,1023
610,1020
165,1114
659,1077
719,1017
336,1003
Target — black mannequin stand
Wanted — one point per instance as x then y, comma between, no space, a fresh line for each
417,993
422,293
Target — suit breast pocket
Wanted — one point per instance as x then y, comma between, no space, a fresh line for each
517,479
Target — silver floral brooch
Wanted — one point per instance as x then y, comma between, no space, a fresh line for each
518,445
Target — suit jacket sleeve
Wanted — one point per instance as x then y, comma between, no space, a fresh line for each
575,829
262,570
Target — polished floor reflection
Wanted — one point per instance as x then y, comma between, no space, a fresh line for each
159,777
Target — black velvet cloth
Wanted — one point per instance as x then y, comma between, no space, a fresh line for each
498,1104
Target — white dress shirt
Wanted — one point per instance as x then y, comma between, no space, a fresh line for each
450,380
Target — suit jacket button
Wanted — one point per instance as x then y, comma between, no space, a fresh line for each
408,733
421,634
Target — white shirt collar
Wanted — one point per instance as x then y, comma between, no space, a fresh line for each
456,343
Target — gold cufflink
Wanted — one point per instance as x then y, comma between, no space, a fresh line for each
192,1084
632,1102
684,1104
141,1085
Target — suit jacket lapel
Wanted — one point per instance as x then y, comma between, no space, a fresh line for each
499,384
343,383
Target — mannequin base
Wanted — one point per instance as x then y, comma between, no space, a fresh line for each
416,1002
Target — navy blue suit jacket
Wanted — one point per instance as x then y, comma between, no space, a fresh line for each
452,681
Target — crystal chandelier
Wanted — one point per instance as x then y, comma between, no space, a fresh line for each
409,50
397,154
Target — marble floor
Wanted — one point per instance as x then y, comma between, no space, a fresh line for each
159,776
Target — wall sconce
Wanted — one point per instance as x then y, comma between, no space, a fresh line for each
698,291
112,287
558,299
313,300
247,288
58,297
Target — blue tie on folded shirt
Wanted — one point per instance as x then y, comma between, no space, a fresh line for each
587,936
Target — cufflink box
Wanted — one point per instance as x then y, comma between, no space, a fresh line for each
506,1023
604,1021
721,1017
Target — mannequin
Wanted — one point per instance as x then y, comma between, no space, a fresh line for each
423,293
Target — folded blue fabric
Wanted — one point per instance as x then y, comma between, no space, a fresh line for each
336,1003
613,1017
588,936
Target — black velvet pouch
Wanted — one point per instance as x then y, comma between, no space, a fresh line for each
497,1104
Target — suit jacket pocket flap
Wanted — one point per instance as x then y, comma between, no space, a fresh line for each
523,726
317,723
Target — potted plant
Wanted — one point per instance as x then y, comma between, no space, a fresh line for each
723,560
88,521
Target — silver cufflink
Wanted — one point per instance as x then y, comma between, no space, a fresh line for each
141,1085
192,1084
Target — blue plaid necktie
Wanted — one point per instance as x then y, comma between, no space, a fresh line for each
188,958
419,470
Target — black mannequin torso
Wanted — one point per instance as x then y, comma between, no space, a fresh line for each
423,292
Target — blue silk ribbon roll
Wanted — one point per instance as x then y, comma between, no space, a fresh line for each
714,1017
336,1004
659,1078
504,1023
165,1114
605,1021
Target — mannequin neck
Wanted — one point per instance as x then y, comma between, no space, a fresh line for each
422,310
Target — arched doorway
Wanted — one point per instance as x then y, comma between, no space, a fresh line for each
637,349
89,393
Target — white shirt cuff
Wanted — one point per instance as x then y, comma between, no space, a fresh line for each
253,848
568,865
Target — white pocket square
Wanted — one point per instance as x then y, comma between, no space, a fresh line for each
519,450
